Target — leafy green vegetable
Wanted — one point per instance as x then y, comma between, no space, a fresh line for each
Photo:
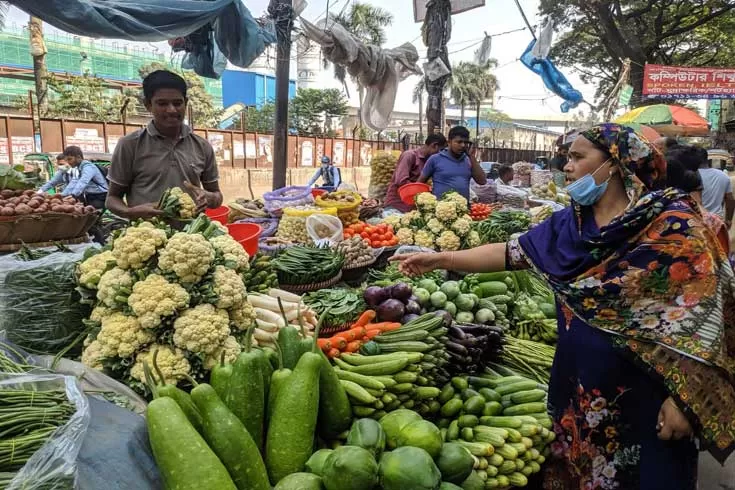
14,178
342,305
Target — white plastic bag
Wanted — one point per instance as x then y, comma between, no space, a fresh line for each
53,466
324,229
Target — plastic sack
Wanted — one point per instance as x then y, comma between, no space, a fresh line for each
511,196
268,226
39,307
487,193
287,197
324,229
292,226
54,465
382,167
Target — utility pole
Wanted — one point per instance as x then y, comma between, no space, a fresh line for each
437,30
40,73
282,12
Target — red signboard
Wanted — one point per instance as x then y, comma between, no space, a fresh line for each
683,82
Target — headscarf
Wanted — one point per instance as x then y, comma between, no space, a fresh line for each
655,279
632,152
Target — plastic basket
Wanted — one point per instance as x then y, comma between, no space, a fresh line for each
219,214
408,192
247,235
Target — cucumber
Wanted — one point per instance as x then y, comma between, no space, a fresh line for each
446,394
508,388
495,459
504,422
360,360
361,379
489,394
453,431
379,368
451,408
400,337
357,392
300,481
183,457
466,434
230,441
494,439
426,392
477,382
460,383
525,408
500,299
474,405
468,421
406,346
527,396
405,377
492,408
491,289
507,452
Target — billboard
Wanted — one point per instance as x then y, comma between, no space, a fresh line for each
682,82
419,7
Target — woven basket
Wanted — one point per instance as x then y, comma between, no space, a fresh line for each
46,227
305,288
356,272
14,247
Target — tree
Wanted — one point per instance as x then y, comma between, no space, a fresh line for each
599,36
205,113
471,83
500,128
367,23
38,53
418,97
312,110
83,97
259,119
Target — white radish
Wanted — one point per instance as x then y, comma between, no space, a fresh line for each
267,326
263,336
269,316
268,303
284,295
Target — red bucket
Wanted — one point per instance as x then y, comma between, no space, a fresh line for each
247,235
219,214
317,192
408,192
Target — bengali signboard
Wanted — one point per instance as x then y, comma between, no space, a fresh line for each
683,82
419,7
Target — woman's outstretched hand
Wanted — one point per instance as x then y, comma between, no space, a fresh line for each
672,423
417,264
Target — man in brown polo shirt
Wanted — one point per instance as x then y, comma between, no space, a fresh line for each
408,169
165,154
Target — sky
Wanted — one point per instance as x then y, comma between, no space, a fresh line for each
521,93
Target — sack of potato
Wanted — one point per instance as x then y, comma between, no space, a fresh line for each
346,202
382,167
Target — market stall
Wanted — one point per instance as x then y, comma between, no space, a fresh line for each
298,357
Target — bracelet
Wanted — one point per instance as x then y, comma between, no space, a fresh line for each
451,261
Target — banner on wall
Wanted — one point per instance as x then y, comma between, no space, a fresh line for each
307,154
338,153
366,154
265,148
87,139
112,143
20,146
250,151
4,153
682,82
238,149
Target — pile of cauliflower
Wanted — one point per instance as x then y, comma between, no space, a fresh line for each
179,294
442,224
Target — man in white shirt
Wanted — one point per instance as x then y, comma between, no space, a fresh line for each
717,195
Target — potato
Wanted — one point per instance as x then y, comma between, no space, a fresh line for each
23,209
7,211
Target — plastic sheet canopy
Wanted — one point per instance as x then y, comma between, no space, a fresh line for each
378,70
232,32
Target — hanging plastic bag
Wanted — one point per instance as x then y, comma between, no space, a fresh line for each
54,465
324,229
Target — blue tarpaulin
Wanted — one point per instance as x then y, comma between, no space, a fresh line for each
228,29
553,78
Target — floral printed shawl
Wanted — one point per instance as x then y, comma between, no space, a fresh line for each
657,279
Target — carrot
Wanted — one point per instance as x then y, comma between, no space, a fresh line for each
366,317
384,326
353,346
338,343
352,334
324,344
372,333
333,353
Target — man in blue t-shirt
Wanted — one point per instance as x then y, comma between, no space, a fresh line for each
452,168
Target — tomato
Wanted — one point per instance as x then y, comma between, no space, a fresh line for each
374,237
358,227
389,235
365,234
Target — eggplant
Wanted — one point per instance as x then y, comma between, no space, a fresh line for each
413,307
456,348
446,316
401,292
456,332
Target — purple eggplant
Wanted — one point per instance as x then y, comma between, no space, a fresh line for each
413,307
375,295
409,317
401,291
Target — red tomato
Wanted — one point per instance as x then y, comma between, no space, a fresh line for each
365,234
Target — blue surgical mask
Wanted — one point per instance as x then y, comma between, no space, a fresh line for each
586,191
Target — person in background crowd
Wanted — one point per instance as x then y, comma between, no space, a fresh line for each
83,179
682,165
505,174
717,195
560,159
409,167
644,359
164,154
330,175
664,143
452,168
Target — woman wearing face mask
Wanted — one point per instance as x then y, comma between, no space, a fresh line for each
644,292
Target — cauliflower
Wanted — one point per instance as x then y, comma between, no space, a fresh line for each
170,361
473,239
201,329
92,355
462,226
242,316
154,298
393,220
424,238
114,286
232,252
230,347
435,226
137,245
448,241
91,270
426,202
446,211
189,256
405,236
408,218
228,287
99,312
122,336
458,200
185,207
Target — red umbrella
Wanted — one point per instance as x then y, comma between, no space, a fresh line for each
668,120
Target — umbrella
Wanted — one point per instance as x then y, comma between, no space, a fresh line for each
669,120
647,131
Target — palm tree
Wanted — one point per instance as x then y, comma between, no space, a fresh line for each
418,97
472,84
38,53
367,23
